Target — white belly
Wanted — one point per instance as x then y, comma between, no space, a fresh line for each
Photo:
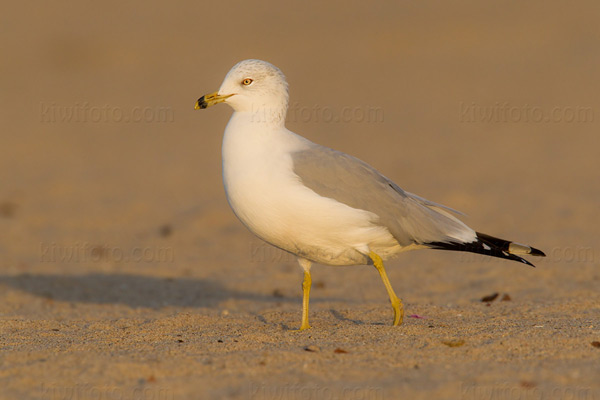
271,201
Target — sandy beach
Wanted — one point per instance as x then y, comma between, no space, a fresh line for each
125,275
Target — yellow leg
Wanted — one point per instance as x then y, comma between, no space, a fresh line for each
306,293
396,302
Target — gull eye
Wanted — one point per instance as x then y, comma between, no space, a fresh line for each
246,81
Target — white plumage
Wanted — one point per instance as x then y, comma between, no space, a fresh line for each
320,204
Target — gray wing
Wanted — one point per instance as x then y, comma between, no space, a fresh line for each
410,218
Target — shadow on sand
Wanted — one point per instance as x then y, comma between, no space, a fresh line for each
132,290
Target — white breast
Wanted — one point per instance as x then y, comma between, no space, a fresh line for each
271,201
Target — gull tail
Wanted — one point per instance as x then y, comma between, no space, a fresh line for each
491,246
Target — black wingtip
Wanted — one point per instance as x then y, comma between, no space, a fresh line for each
489,246
524,261
537,252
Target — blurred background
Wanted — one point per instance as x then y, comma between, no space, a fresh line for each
106,169
490,108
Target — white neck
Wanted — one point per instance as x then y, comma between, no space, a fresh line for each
249,137
269,115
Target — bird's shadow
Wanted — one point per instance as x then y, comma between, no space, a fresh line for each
132,290
339,316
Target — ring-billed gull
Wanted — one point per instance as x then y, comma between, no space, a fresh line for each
321,204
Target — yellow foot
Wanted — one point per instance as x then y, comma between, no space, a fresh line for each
302,328
306,293
398,312
396,302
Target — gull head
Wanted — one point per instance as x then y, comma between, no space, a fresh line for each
253,86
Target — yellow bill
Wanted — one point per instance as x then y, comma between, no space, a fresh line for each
210,100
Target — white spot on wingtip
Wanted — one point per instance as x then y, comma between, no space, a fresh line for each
485,246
